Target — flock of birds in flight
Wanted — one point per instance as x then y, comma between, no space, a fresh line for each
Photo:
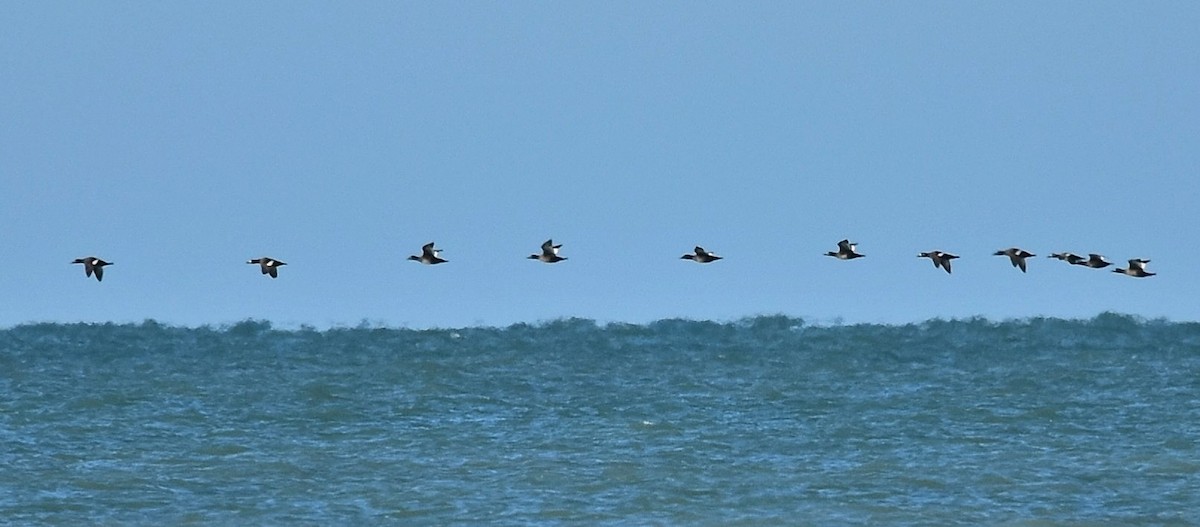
93,266
941,259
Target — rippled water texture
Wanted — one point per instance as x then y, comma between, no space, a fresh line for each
766,421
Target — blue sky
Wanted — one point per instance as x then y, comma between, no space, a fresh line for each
179,140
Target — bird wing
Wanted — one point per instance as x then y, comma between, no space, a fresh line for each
549,248
427,250
99,273
273,271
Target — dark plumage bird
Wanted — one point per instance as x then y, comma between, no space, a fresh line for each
1137,269
429,255
846,251
549,253
1070,258
701,256
940,259
1016,256
92,265
1095,261
269,265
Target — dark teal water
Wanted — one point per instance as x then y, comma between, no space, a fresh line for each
766,421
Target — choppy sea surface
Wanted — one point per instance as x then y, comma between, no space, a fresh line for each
763,421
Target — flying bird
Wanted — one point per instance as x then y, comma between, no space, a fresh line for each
701,256
429,255
1137,268
1095,261
1016,256
1070,258
91,265
269,265
549,253
846,251
940,259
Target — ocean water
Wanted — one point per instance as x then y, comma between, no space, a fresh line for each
763,421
